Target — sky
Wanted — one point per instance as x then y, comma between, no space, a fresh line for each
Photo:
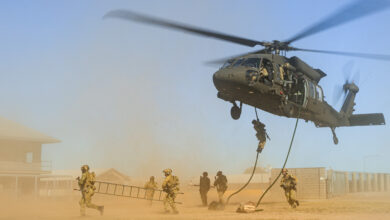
140,98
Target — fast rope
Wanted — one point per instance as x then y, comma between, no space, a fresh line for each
253,172
249,180
285,161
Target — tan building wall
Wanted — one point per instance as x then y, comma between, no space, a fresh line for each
311,184
16,151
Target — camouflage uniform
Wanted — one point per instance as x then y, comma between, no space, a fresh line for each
288,183
221,184
204,187
171,187
87,188
261,134
150,187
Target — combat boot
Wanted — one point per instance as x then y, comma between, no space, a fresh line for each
101,210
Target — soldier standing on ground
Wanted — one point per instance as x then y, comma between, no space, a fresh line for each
220,183
171,187
150,188
204,187
289,183
261,134
87,188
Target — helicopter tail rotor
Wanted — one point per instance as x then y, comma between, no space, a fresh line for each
351,83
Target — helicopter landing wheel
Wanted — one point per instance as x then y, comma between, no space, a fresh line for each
235,111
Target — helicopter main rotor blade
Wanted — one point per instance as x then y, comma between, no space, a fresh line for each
223,60
353,11
352,54
129,15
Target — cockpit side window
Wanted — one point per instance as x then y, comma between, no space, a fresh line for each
312,90
251,62
227,63
238,62
320,95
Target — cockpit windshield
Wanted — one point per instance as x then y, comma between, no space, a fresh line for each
251,62
238,62
227,63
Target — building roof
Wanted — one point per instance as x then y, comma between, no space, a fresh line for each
10,130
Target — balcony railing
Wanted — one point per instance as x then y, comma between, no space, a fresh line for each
24,167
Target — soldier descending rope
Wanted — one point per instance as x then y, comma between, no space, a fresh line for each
261,134
87,188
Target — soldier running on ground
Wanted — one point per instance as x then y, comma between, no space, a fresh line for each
150,187
289,183
261,134
204,187
220,183
87,188
171,187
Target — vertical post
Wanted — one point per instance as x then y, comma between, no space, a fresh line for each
369,182
354,182
115,188
347,186
381,182
329,184
361,182
375,183
387,182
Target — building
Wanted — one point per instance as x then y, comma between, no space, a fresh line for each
21,165
63,182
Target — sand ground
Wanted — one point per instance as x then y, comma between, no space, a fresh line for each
354,206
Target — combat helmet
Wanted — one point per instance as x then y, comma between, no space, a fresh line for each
167,171
84,168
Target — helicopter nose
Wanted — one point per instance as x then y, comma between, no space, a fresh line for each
225,78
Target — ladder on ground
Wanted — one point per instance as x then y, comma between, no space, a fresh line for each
134,192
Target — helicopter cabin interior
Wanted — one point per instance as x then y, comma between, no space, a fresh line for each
299,81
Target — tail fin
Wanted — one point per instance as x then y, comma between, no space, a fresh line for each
349,102
367,119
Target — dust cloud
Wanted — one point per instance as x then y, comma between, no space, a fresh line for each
358,206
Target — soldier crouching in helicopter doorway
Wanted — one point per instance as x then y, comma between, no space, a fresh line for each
289,184
261,134
87,188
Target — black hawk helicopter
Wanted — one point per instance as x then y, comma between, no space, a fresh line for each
268,80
